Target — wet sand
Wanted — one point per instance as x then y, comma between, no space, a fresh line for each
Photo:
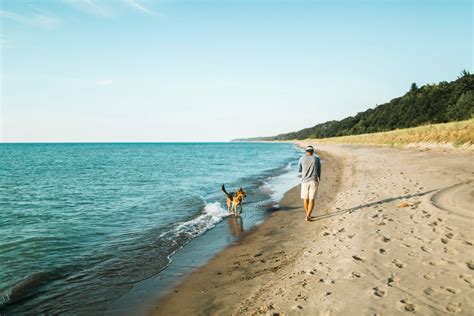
393,234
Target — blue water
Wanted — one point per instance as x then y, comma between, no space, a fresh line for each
81,223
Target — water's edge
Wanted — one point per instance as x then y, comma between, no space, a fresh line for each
143,297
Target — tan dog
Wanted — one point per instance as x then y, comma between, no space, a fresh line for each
234,199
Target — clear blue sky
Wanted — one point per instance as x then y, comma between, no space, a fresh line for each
141,70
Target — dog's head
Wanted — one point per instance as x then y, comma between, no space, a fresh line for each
241,192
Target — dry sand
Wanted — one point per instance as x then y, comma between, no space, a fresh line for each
393,234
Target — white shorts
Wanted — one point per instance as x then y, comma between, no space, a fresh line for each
309,190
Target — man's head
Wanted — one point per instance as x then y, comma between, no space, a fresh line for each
309,150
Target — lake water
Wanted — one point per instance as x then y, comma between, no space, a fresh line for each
81,224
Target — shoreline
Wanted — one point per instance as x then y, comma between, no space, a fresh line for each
393,235
259,253
267,190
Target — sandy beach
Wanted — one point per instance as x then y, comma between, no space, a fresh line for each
392,234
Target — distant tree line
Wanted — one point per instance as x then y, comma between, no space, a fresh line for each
430,104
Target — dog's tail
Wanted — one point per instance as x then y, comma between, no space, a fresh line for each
225,192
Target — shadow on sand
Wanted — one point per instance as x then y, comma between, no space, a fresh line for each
356,208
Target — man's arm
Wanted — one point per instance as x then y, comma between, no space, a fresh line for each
318,168
300,167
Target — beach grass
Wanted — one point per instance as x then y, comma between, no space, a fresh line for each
454,134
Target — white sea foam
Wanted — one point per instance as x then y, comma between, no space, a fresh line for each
279,185
212,214
266,188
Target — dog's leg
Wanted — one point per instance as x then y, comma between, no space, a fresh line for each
241,209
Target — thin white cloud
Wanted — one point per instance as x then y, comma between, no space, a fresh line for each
105,82
89,6
37,19
134,4
110,8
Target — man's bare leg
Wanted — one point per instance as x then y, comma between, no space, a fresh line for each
307,204
310,209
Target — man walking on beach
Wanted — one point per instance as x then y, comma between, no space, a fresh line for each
310,168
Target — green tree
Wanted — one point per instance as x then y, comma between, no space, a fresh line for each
464,73
463,108
413,87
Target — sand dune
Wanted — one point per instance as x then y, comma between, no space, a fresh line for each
393,234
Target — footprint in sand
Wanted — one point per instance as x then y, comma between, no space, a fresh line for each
280,291
356,275
408,306
452,290
429,276
436,263
393,280
358,258
297,307
327,281
422,239
467,279
451,251
380,291
399,264
430,291
426,249
470,264
313,272
427,216
449,235
454,307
